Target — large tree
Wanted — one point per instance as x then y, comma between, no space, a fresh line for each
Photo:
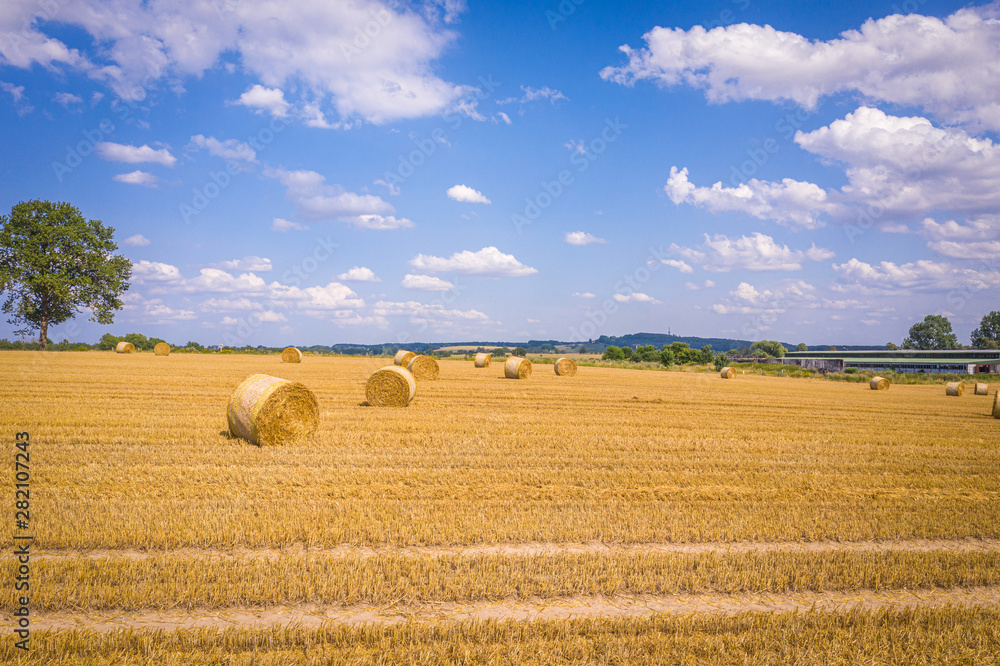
987,336
54,262
768,348
934,332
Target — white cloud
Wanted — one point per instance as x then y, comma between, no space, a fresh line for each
756,252
117,152
252,263
585,294
582,238
230,304
467,195
967,249
138,240
218,280
379,222
21,103
504,117
67,99
145,272
635,297
430,313
425,283
285,226
489,261
229,321
137,177
535,94
271,100
230,149
269,315
679,264
924,275
316,201
791,202
980,229
946,66
359,274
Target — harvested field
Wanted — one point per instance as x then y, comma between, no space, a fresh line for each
630,515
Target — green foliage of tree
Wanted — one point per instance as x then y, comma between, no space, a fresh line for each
768,348
647,353
613,353
53,262
831,348
934,332
891,346
629,353
987,336
684,354
707,355
520,351
667,357
720,361
108,342
799,347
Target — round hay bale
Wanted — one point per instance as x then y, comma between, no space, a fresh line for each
291,355
517,368
125,348
955,388
268,411
982,389
565,367
391,386
161,349
996,405
483,360
403,358
879,384
423,367
728,373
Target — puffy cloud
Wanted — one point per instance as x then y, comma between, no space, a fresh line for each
117,152
425,283
271,100
790,202
137,177
679,264
218,280
534,94
138,240
635,297
67,99
756,252
582,238
978,229
285,226
146,272
924,275
252,263
467,195
230,149
359,274
423,312
230,304
585,294
950,67
317,201
489,261
316,49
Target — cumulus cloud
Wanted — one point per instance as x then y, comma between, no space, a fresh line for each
888,277
146,272
285,226
679,264
359,274
434,314
488,261
118,152
317,201
137,177
467,195
271,100
791,202
582,238
534,94
252,263
635,297
756,252
949,67
584,294
67,99
230,149
138,240
425,283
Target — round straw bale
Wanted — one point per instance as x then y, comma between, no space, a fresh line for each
982,389
955,388
125,348
291,355
517,368
161,349
423,367
996,405
391,386
403,358
483,360
879,384
266,411
565,367
728,373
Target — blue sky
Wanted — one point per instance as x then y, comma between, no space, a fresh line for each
322,172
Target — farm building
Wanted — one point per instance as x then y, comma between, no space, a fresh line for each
959,361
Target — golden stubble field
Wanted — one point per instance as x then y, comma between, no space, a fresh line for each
618,516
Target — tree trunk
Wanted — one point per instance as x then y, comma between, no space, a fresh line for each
43,333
